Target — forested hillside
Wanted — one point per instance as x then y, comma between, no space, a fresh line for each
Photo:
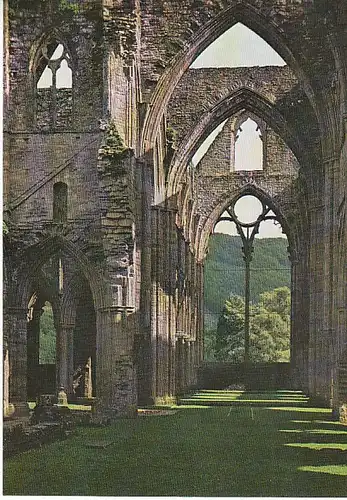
224,271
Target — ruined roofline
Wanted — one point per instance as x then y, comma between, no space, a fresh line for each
283,68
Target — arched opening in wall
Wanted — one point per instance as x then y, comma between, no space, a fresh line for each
54,86
242,50
41,346
238,47
48,336
248,146
61,331
247,286
60,193
84,344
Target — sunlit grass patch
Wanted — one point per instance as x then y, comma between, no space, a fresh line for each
337,470
32,405
301,421
228,450
319,446
300,409
245,398
315,431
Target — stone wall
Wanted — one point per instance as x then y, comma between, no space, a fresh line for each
138,214
197,91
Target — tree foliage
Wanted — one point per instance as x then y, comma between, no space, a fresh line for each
225,271
269,328
47,336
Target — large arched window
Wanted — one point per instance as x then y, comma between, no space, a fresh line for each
53,80
248,146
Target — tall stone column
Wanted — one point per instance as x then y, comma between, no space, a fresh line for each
180,365
115,369
147,331
65,358
316,307
6,379
172,313
18,361
299,327
328,355
33,351
200,313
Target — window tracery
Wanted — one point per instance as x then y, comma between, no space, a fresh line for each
54,86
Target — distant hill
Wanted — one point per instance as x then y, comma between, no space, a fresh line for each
224,271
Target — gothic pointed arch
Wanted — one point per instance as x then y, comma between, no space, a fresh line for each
33,259
242,12
241,99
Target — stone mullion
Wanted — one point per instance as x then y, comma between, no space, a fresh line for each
18,361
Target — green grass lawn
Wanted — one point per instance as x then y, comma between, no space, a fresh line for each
199,451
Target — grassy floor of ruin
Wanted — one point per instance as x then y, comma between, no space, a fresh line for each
215,443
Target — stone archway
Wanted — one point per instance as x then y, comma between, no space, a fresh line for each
26,276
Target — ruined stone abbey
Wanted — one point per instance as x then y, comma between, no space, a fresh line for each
107,219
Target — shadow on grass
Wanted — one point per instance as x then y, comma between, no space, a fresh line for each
220,451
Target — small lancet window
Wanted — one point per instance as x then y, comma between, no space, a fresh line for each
64,76
248,147
46,79
54,83
60,202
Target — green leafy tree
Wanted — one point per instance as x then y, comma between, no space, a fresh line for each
277,301
230,330
47,336
210,345
269,328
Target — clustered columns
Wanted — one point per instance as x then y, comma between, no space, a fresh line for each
176,342
299,319
116,373
18,360
65,358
